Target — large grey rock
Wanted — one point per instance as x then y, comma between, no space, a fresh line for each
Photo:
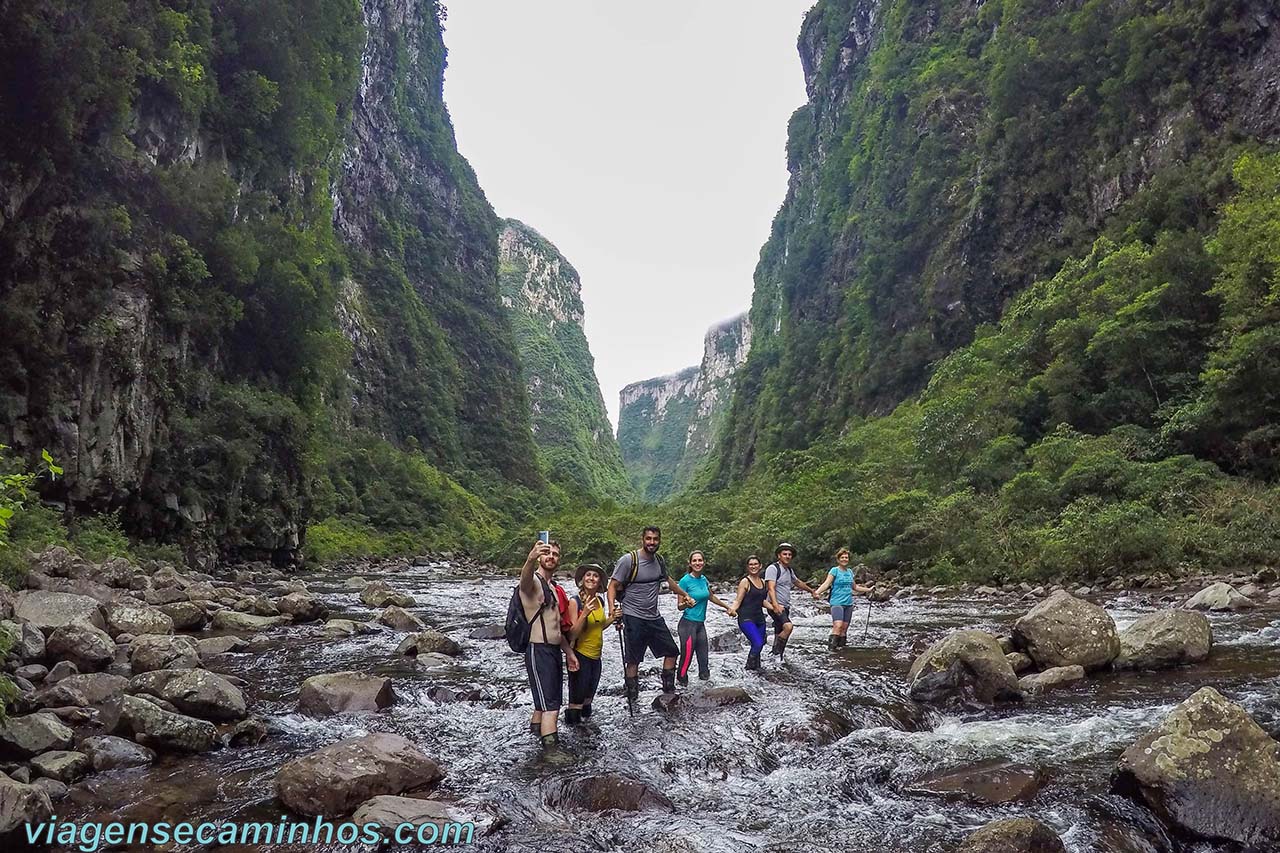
48,610
154,727
344,692
1056,676
63,765
230,620
966,667
301,607
209,647
1219,596
1165,639
185,615
21,804
401,619
60,670
107,752
335,780
380,594
1017,835
428,641
55,789
32,734
194,692
26,641
389,812
137,619
83,690
607,792
82,644
339,628
1064,630
158,651
1209,769
993,782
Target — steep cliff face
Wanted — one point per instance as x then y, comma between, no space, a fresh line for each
667,426
951,153
241,243
543,297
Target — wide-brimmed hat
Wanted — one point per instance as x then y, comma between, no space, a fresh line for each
784,546
582,572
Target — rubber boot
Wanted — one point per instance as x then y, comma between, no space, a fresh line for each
704,676
682,680
535,728
586,713
753,662
833,642
572,716
633,687
777,646
780,647
669,681
842,641
550,740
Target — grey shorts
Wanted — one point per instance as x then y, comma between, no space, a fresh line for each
841,612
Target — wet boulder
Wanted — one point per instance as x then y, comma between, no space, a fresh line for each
1051,678
401,619
137,619
488,632
1018,835
993,782
155,727
55,789
151,652
431,817
208,647
26,641
33,672
185,616
247,732
1208,769
1019,662
231,620
21,804
1165,639
1064,630
608,792
965,667
49,610
429,641
258,605
381,594
107,752
341,628
301,607
344,692
721,697
333,781
194,692
65,766
83,691
32,734
84,645
729,641
60,670
1219,596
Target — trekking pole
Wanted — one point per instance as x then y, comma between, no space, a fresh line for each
622,647
866,624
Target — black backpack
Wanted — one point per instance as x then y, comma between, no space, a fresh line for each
635,567
517,629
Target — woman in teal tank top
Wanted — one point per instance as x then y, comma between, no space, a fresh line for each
842,581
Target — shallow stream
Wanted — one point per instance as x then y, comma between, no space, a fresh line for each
820,760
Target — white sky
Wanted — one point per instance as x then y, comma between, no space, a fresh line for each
646,140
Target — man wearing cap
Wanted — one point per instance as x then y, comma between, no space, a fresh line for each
780,578
638,575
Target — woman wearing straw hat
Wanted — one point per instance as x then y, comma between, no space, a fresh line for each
586,632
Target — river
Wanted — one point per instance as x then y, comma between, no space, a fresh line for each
820,760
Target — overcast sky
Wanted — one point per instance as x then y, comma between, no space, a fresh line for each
645,140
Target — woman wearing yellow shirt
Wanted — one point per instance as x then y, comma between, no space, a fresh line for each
587,623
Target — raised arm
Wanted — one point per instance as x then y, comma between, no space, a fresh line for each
528,585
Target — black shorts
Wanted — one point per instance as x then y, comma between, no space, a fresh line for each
782,620
641,634
584,682
545,666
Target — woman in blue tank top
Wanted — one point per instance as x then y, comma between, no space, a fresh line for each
842,581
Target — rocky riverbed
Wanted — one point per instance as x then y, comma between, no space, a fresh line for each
153,694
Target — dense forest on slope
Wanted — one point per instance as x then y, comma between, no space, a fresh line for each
543,296
249,284
1017,315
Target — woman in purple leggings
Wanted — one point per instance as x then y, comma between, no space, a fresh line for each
753,597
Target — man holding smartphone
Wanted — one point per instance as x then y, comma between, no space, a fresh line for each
542,659
634,588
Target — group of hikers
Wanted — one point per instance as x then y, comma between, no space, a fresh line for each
556,631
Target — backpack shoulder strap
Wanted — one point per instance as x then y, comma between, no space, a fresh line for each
635,565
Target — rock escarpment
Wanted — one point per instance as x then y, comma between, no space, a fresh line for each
668,426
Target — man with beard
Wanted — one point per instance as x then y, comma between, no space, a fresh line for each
540,601
634,587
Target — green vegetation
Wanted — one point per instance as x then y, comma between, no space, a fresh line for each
653,442
1119,419
570,427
